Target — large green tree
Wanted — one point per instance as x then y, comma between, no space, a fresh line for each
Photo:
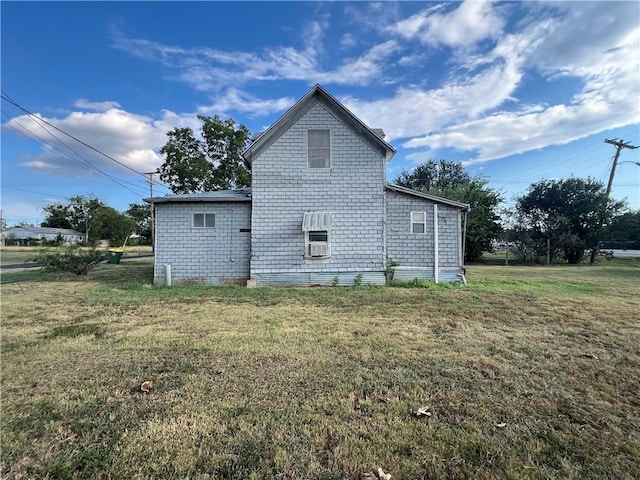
211,162
109,224
565,216
76,214
87,214
451,180
140,213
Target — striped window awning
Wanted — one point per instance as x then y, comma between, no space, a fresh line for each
316,221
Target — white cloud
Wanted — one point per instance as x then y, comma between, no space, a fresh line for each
211,70
348,40
413,111
130,139
97,106
468,24
582,31
472,114
237,101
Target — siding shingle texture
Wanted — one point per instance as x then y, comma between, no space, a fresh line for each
284,187
203,255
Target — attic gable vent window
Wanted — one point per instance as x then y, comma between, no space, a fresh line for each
319,148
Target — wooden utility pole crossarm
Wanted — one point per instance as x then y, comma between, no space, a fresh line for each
619,144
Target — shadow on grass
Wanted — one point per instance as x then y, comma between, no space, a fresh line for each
129,272
21,276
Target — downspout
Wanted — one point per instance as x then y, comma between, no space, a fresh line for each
464,238
464,242
384,229
436,241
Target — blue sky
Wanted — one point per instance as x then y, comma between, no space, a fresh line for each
520,92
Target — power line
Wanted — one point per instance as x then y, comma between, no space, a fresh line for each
31,191
6,97
29,134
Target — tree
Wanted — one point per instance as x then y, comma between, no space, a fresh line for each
90,216
109,224
76,214
213,163
141,215
58,216
434,177
450,180
624,231
570,215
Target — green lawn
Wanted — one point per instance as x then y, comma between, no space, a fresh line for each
528,372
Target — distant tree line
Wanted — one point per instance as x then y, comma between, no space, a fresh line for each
88,215
554,219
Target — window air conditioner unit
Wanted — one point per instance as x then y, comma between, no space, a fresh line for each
318,249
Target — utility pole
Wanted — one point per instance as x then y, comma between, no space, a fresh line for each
619,144
153,230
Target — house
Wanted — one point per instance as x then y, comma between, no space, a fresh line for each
319,211
26,234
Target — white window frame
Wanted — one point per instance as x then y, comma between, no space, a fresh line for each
205,216
413,221
327,148
311,244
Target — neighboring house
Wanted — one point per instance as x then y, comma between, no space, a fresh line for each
44,234
319,212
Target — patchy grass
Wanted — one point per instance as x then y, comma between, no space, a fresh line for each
528,372
19,276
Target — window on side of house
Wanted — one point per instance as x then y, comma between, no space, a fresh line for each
418,222
319,148
318,244
204,220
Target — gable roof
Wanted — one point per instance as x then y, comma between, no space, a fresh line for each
465,207
239,195
317,94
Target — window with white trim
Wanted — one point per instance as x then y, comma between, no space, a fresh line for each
418,222
318,244
319,148
204,220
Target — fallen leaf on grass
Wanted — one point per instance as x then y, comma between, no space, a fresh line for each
375,476
423,412
147,386
382,475
368,476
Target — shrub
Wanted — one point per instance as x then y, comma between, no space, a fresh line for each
70,259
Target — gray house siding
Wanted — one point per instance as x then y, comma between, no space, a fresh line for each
415,253
284,188
211,256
